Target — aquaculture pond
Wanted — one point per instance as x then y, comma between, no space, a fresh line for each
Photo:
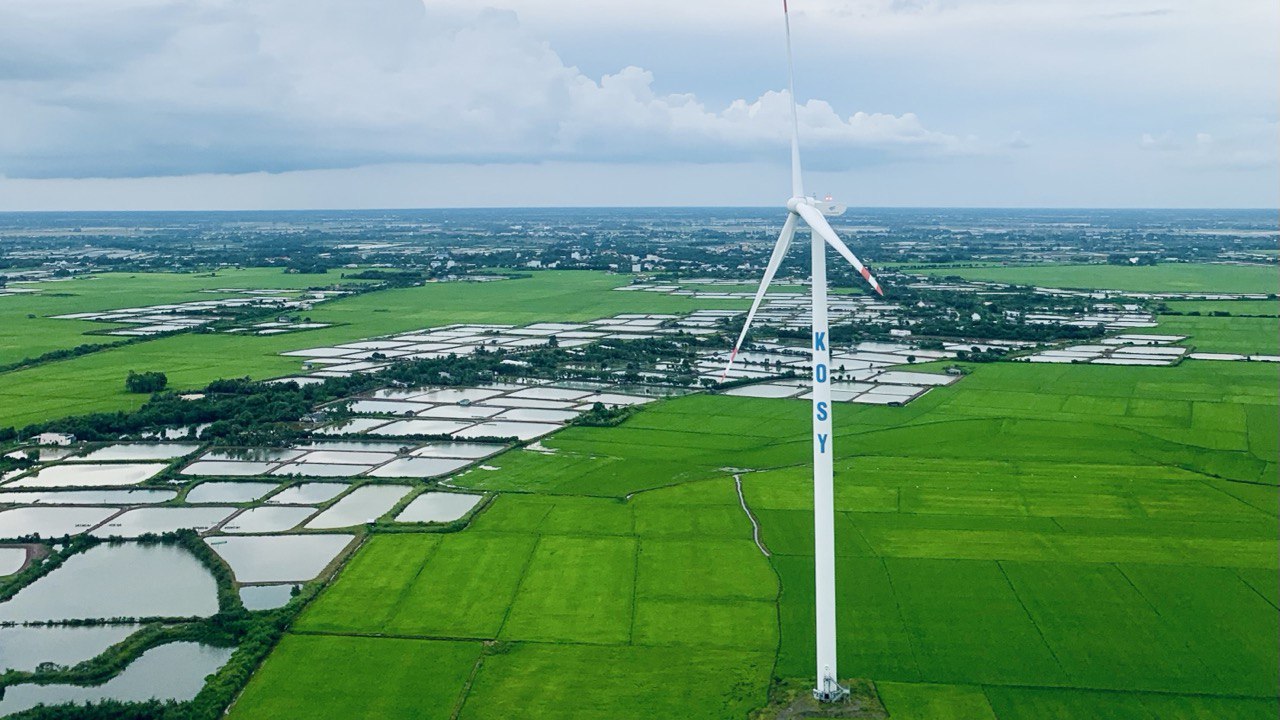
140,451
308,493
229,492
157,520
265,597
11,560
25,647
268,518
364,504
88,475
279,558
175,671
438,507
118,580
49,521
88,497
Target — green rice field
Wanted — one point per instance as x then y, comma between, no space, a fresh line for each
1235,307
1035,541
22,335
1246,335
1168,277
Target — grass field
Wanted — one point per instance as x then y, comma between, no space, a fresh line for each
96,382
1248,335
23,336
591,609
1033,542
1235,307
1169,277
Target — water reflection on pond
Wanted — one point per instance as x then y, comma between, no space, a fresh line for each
50,521
229,492
23,648
278,558
175,671
88,497
438,507
265,597
140,451
120,580
89,475
362,505
307,493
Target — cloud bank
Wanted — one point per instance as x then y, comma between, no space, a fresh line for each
138,88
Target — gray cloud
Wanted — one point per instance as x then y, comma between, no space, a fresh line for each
1241,146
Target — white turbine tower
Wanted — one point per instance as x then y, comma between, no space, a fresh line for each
809,210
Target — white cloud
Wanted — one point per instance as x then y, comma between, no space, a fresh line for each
156,87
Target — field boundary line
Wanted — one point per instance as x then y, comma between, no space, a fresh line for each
481,640
635,581
408,587
465,691
1137,589
1031,618
1114,691
902,618
524,574
1256,591
755,526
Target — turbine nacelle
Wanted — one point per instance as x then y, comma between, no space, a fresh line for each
826,206
829,207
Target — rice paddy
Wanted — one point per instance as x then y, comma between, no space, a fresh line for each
1166,277
1036,541
1047,539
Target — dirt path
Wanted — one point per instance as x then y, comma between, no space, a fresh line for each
755,526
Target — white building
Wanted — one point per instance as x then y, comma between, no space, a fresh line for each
55,439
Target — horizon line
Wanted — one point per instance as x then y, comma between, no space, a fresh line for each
648,207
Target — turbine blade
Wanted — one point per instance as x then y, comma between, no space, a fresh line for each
779,252
797,185
815,220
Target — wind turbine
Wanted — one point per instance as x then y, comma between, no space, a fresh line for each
803,208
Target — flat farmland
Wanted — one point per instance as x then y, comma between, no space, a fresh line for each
1244,335
1235,307
96,382
1032,542
1168,277
28,329
579,620
337,677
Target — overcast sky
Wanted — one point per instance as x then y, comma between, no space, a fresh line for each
194,104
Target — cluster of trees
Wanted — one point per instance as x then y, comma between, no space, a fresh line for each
65,353
108,710
981,356
612,355
601,416
390,278
145,382
241,411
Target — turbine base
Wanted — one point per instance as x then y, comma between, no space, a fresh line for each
830,692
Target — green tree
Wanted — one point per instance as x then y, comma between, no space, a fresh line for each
145,382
